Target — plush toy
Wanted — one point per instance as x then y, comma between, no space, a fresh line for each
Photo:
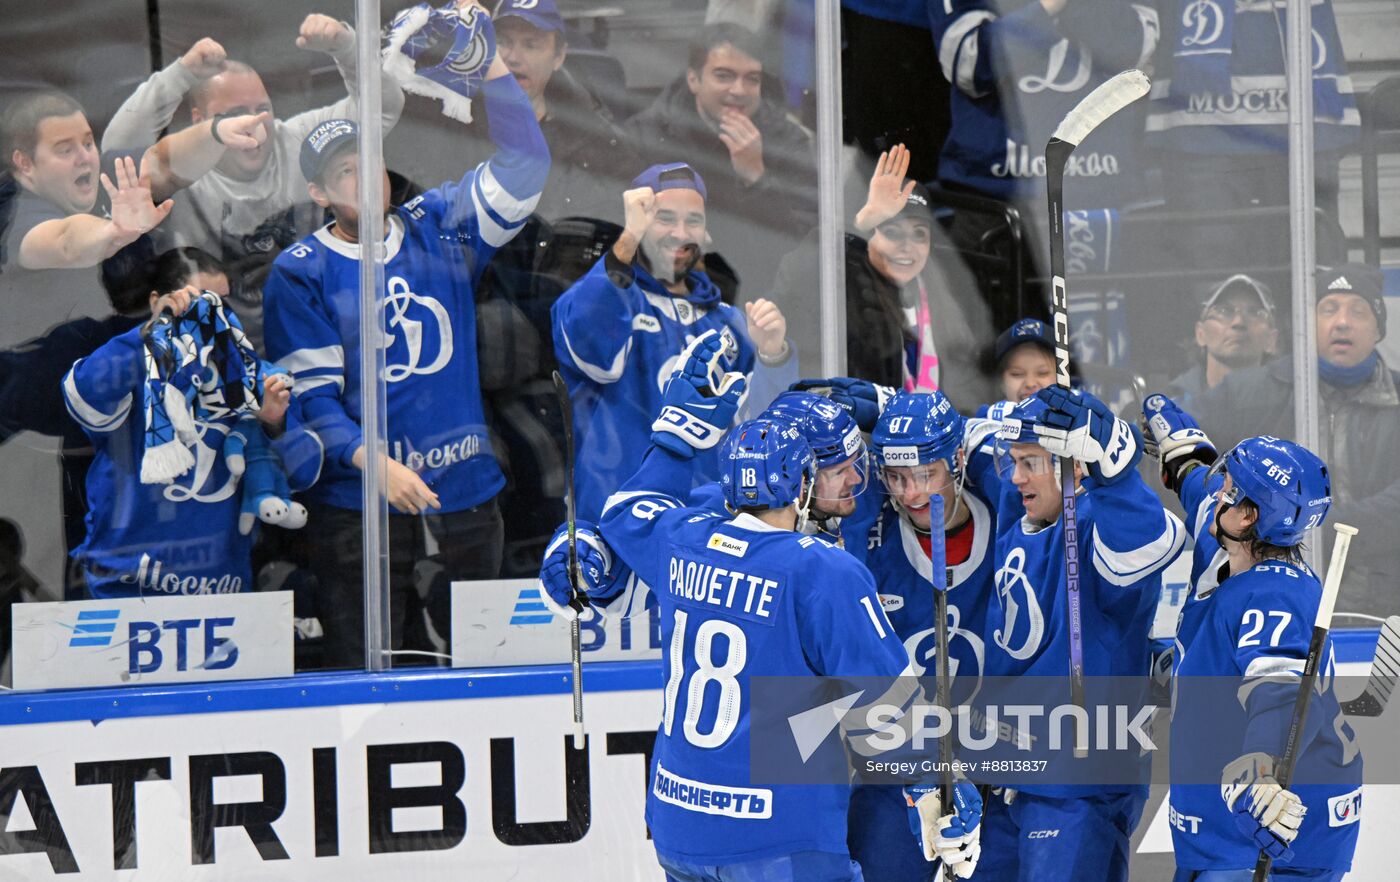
266,495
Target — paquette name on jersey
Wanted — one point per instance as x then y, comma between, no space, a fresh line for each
746,595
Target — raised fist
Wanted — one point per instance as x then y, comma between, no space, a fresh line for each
321,33
205,58
639,211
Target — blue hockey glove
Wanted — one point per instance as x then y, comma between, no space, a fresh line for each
1174,437
700,399
862,399
954,838
1264,811
601,575
441,53
1074,424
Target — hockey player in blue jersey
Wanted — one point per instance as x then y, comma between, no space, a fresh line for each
439,465
620,331
1126,538
918,446
1248,621
179,537
843,504
808,609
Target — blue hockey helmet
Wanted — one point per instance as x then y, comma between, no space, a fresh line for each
1286,482
763,465
918,428
828,428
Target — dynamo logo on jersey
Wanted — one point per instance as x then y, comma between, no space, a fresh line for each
201,484
418,333
94,627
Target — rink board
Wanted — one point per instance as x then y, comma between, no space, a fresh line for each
353,776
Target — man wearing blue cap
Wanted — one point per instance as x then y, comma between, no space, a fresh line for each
590,156
620,331
442,475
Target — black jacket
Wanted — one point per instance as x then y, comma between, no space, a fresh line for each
591,161
876,330
1360,440
752,226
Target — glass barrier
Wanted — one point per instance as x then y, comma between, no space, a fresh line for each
574,193
215,444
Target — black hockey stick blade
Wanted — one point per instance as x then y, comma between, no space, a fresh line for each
1385,672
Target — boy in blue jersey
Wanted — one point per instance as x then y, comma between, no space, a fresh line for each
1249,620
442,475
620,331
799,607
181,537
1126,538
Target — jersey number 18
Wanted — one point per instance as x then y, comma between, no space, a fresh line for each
704,673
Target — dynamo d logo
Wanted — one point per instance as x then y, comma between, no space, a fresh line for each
94,627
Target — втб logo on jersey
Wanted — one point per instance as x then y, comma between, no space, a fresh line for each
1011,581
423,326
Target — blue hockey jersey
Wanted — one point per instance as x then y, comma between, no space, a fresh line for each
1248,633
1016,71
739,599
436,250
1126,539
903,575
177,538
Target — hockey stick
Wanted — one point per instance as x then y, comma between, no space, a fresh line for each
938,560
1385,671
1323,622
1096,107
571,514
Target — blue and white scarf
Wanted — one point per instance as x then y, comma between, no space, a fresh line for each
199,366
1205,46
441,53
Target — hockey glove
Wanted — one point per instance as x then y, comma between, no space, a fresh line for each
441,53
1264,811
1175,438
954,838
601,575
700,400
1074,424
862,399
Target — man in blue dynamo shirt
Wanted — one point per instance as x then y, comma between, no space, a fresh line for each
439,463
620,331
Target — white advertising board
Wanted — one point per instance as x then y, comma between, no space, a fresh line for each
146,640
481,789
504,622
